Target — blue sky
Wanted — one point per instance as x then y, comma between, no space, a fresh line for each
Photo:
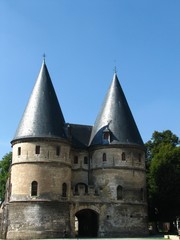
83,41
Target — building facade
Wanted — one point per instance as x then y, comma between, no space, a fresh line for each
70,180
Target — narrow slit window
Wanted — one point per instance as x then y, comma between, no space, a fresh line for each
139,157
123,156
19,151
37,150
64,190
34,188
104,157
119,192
58,150
141,194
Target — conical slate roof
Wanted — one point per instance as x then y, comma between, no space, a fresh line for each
43,116
116,119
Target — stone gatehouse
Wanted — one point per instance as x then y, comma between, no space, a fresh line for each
75,180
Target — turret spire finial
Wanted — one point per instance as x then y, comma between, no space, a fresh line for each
44,57
115,69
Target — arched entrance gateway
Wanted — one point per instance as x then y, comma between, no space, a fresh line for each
86,223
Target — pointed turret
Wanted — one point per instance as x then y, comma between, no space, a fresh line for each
115,123
43,116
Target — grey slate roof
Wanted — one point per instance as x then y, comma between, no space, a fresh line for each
79,134
116,118
43,116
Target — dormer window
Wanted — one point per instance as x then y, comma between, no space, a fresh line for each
106,135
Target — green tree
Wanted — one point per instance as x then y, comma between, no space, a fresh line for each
4,173
158,140
163,175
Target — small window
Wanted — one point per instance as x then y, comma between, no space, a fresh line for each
119,192
106,135
123,156
34,188
58,150
37,150
104,157
19,151
139,157
75,159
85,160
64,190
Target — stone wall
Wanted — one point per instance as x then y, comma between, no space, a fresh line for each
116,219
50,178
30,220
123,220
127,173
50,168
26,151
111,185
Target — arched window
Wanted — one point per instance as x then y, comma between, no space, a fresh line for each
64,190
104,157
119,192
34,188
81,187
123,156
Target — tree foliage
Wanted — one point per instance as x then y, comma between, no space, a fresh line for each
163,175
4,173
158,140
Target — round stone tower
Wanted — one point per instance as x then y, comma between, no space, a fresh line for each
118,167
41,170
